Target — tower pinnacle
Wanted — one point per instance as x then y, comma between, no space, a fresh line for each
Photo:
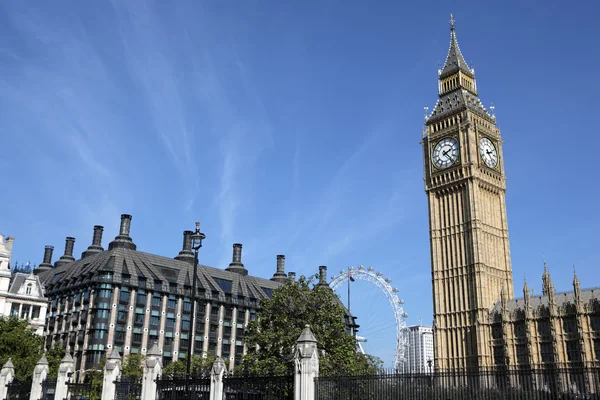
452,21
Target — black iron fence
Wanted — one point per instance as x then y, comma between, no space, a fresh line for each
195,388
128,389
482,384
18,390
81,391
48,389
258,387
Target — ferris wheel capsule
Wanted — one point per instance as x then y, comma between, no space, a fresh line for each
361,268
350,268
379,274
395,290
388,280
370,269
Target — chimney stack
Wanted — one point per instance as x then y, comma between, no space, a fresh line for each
68,256
186,253
96,246
48,254
236,263
123,240
97,240
47,264
279,275
292,276
323,277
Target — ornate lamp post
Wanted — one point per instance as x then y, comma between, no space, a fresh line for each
197,238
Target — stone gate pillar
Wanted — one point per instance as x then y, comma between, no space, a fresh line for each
65,372
7,374
216,379
112,372
152,370
40,372
307,365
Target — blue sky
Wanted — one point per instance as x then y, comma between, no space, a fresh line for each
293,128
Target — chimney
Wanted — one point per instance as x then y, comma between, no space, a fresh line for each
323,277
97,240
186,253
236,263
123,240
279,275
292,276
48,254
96,246
68,256
47,264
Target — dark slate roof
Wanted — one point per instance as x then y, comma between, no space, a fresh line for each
16,283
455,101
19,279
154,268
454,60
561,299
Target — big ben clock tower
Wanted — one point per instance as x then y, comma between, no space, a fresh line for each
465,186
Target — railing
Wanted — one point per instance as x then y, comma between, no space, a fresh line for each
258,387
17,390
128,389
81,391
181,388
483,384
48,389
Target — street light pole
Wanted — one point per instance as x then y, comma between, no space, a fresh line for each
197,238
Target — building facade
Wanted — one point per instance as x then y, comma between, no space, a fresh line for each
477,321
21,295
126,299
420,349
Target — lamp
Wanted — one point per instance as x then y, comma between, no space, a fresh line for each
197,238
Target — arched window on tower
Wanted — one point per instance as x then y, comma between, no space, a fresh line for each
29,288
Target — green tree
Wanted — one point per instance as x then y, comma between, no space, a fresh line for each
54,355
271,338
200,367
96,378
20,343
133,366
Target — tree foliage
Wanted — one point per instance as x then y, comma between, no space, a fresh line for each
200,367
20,343
271,338
133,366
54,355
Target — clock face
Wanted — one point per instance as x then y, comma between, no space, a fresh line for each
445,153
488,152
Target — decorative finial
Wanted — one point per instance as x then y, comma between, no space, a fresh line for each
492,109
426,109
452,21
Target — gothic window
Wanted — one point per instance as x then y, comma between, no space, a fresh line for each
573,352
520,330
569,324
522,356
597,348
595,322
546,352
544,327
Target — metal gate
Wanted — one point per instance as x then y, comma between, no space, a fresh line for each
79,391
259,388
128,389
48,389
183,389
17,390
